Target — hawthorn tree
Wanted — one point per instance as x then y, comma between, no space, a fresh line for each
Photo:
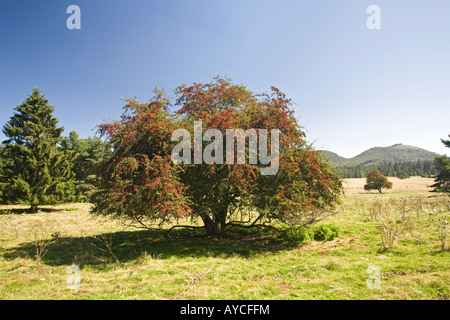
442,179
376,181
35,170
142,183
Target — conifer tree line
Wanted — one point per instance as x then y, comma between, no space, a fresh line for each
38,165
402,170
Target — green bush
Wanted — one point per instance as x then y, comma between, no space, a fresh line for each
326,232
298,235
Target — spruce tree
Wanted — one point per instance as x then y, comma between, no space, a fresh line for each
442,179
37,172
2,160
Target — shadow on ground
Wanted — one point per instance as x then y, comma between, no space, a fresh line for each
27,210
130,245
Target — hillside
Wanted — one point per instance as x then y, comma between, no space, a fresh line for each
395,153
334,158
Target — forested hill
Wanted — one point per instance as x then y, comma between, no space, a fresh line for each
395,161
395,153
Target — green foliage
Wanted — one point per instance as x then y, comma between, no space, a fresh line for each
2,161
402,170
323,232
376,181
442,179
85,155
35,171
298,234
326,232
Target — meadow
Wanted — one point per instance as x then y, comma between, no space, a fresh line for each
392,246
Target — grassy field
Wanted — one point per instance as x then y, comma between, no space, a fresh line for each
391,246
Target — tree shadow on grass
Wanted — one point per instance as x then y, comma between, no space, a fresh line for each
27,210
131,245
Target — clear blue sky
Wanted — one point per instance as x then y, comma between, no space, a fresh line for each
353,88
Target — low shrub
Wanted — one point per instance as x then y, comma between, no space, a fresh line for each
300,235
326,232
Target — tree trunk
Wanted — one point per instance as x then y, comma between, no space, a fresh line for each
215,223
34,208
212,229
222,220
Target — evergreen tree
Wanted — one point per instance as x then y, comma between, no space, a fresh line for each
402,170
443,166
85,155
2,161
36,171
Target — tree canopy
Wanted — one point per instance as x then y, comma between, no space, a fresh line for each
376,181
85,156
142,183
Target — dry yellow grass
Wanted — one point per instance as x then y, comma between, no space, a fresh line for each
413,184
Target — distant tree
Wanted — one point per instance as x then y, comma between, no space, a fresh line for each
402,170
85,155
442,179
36,172
403,175
376,181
